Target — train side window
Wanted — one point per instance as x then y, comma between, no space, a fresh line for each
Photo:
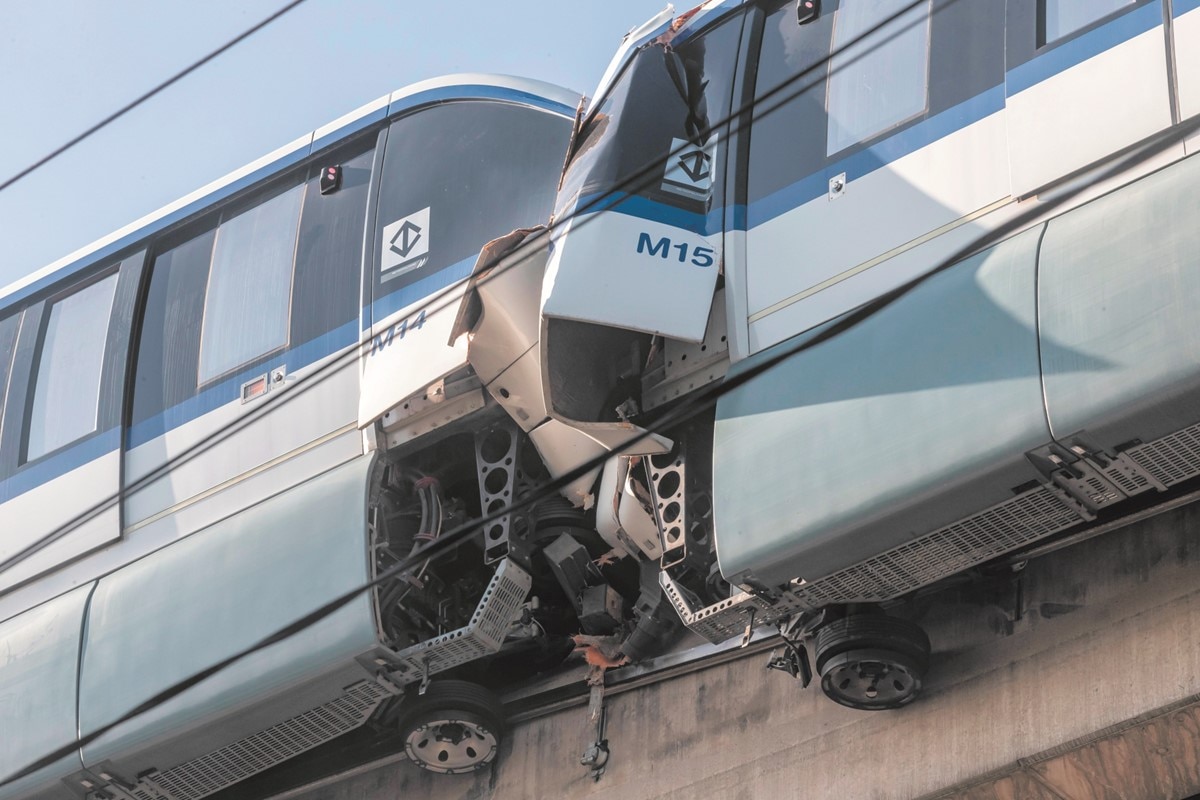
169,347
8,348
1059,18
248,301
66,396
878,79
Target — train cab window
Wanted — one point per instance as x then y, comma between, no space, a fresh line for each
660,131
879,78
8,348
247,304
456,176
66,397
1059,18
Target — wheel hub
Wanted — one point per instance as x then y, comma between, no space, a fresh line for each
451,745
871,679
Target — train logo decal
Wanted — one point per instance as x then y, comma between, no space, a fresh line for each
690,169
405,244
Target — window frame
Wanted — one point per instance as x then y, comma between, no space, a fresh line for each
832,68
1042,42
8,360
266,194
39,316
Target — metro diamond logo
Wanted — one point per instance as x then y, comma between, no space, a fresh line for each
405,244
690,170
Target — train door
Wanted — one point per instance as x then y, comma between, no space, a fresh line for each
61,421
245,381
1085,78
876,126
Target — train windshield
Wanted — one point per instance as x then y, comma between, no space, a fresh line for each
659,132
454,177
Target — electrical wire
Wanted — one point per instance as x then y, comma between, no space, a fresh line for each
691,407
125,109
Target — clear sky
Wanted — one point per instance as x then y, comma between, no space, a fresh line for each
66,64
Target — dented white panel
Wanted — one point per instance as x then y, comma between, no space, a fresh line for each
621,518
519,390
563,448
509,294
614,269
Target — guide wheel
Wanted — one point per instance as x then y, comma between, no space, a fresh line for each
871,662
455,727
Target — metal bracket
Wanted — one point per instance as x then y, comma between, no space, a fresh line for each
668,484
794,661
1082,469
496,461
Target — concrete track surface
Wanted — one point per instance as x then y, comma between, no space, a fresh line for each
1077,677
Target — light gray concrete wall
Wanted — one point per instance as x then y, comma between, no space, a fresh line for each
1105,633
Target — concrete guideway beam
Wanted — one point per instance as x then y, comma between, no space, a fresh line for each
1078,679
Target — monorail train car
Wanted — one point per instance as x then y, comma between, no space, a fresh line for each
751,175
225,415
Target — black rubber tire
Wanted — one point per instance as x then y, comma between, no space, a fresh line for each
872,632
871,662
462,701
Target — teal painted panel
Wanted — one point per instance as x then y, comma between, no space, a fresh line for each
1119,290
915,418
39,658
202,599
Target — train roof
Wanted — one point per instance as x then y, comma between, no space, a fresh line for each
654,27
465,86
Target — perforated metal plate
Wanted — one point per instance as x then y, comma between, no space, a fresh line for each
1023,519
720,621
973,540
210,773
1173,458
500,605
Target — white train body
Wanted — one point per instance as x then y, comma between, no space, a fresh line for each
193,449
750,175
730,192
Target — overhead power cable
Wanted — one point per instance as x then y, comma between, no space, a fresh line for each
1107,169
125,109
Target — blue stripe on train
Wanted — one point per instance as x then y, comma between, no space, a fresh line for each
1075,51
908,141
229,389
47,469
426,286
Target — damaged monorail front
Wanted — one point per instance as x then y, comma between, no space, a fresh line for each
733,189
566,571
739,184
